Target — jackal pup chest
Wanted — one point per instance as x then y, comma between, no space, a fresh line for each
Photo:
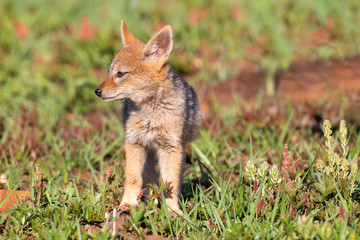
171,118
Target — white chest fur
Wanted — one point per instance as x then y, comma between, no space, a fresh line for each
154,128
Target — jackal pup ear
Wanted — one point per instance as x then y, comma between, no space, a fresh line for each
158,49
126,36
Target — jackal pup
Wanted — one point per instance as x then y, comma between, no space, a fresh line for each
161,113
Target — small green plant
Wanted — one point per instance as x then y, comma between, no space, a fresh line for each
270,176
336,170
152,217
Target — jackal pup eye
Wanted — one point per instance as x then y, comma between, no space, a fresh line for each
120,74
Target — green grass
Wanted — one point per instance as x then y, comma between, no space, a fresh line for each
50,114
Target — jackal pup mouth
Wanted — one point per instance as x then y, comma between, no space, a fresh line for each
107,97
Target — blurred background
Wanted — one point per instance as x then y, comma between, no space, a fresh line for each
246,59
54,54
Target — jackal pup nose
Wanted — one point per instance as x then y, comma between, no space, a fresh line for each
98,92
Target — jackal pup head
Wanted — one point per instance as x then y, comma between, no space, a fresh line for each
138,70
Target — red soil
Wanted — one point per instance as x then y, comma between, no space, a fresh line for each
304,82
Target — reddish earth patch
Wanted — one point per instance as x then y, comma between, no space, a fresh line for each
304,82
320,80
14,198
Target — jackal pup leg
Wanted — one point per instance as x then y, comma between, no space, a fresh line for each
135,161
171,163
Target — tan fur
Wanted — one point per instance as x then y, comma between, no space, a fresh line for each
161,113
